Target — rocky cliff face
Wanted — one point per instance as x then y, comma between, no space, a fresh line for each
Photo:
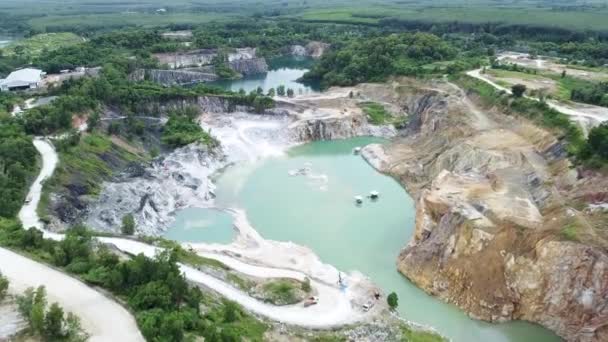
153,193
331,128
495,233
172,77
206,104
197,58
251,66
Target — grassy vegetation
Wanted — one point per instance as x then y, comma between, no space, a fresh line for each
411,335
376,113
182,129
567,84
570,232
561,86
564,85
34,46
90,162
282,291
513,74
188,257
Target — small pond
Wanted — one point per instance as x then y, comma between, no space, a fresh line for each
282,71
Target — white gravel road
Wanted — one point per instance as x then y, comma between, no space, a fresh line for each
102,318
334,308
587,116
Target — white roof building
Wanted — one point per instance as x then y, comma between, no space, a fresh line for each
27,78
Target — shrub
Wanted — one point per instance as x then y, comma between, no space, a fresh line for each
182,130
392,300
3,286
128,225
518,90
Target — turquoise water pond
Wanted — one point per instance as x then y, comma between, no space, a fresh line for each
318,210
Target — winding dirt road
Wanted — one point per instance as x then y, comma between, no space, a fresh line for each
334,308
587,116
101,317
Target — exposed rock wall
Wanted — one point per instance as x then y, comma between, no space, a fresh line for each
172,77
206,104
154,193
251,66
194,58
315,129
490,220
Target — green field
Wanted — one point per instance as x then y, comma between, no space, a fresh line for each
576,14
572,19
124,19
33,46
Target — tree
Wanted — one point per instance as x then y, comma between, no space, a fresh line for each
598,140
93,121
392,300
281,90
53,322
518,90
290,92
261,103
271,92
3,286
231,311
128,225
74,329
36,314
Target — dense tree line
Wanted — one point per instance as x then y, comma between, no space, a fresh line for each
595,152
271,38
376,59
57,116
516,31
7,102
17,166
594,93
